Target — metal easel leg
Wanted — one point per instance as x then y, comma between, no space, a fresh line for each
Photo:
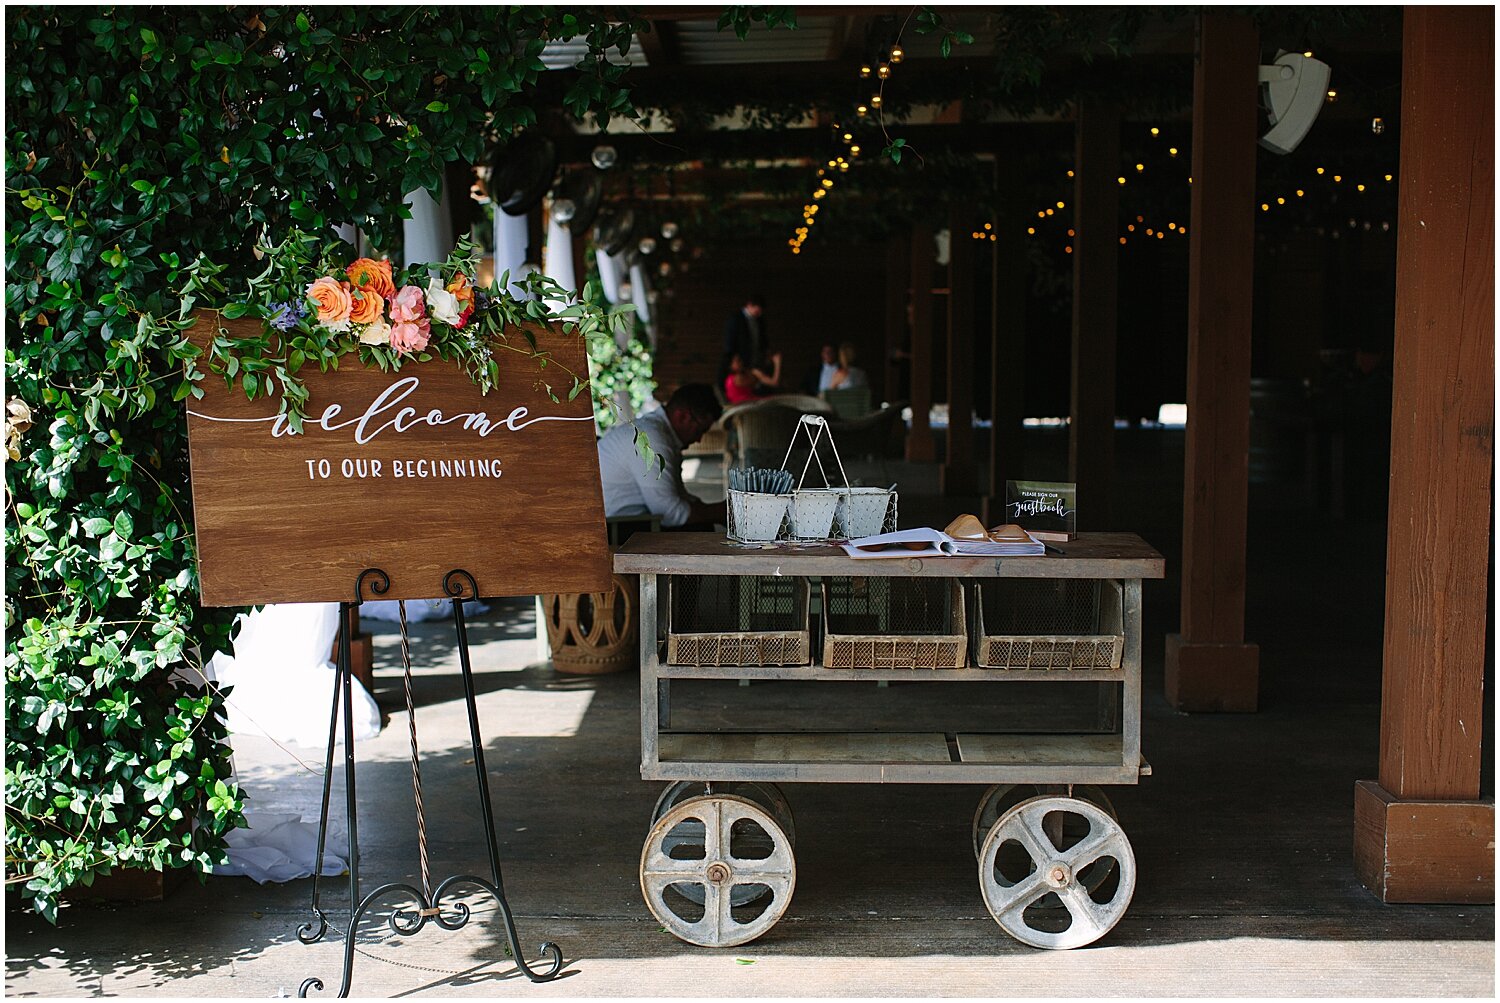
313,930
454,586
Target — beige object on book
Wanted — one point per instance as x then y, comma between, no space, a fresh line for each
967,527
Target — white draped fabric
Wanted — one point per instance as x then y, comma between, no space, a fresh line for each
512,235
428,235
282,678
557,259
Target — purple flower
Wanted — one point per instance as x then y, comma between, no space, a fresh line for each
288,315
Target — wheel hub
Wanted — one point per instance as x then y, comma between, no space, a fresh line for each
718,872
1059,875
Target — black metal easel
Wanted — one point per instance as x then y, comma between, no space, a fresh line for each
427,903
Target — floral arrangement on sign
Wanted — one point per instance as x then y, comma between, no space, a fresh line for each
317,307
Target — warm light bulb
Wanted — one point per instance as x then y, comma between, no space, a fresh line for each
1333,95
820,170
1171,226
1140,167
1070,233
1264,207
864,72
874,100
1161,235
854,150
862,111
1122,240
1130,227
1031,231
1320,170
1149,231
884,72
818,194
1121,180
1280,200
1338,177
1062,205
992,237
848,137
1040,214
1307,54
833,163
1068,249
1360,187
1300,193
897,53
1389,177
1070,174
843,167
986,226
1155,131
1050,211
1172,150
827,182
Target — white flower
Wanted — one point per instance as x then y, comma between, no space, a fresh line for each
442,304
337,327
377,333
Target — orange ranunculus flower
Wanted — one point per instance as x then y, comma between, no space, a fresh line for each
332,299
367,273
368,307
461,290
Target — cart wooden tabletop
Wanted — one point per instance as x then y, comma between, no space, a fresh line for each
1090,555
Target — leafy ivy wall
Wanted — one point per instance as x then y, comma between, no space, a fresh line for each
136,140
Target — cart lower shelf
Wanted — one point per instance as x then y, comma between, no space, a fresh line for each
917,757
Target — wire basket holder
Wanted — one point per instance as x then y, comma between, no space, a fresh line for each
832,512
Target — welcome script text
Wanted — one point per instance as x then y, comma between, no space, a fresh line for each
386,413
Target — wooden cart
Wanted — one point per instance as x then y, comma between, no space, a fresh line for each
1055,868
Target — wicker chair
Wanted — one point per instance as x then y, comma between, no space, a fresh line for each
849,404
759,431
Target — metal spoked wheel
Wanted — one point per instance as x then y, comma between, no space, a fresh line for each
1022,862
717,844
767,796
1001,798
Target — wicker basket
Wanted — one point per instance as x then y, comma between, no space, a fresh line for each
1038,623
738,620
893,623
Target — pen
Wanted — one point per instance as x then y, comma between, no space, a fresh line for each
1053,550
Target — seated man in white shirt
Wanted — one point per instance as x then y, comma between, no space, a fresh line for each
634,487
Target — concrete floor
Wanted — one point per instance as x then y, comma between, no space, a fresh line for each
1242,837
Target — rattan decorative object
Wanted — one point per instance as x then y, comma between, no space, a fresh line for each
715,620
894,623
1036,623
594,633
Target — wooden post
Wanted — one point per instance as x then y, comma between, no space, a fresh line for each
1007,337
919,448
1209,667
958,465
897,286
1096,253
1421,834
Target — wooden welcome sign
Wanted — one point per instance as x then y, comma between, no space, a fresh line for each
413,472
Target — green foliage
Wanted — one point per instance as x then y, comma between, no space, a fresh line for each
741,18
142,145
617,369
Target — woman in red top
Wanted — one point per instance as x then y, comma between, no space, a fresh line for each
747,383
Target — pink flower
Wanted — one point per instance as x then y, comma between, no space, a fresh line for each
409,306
410,335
